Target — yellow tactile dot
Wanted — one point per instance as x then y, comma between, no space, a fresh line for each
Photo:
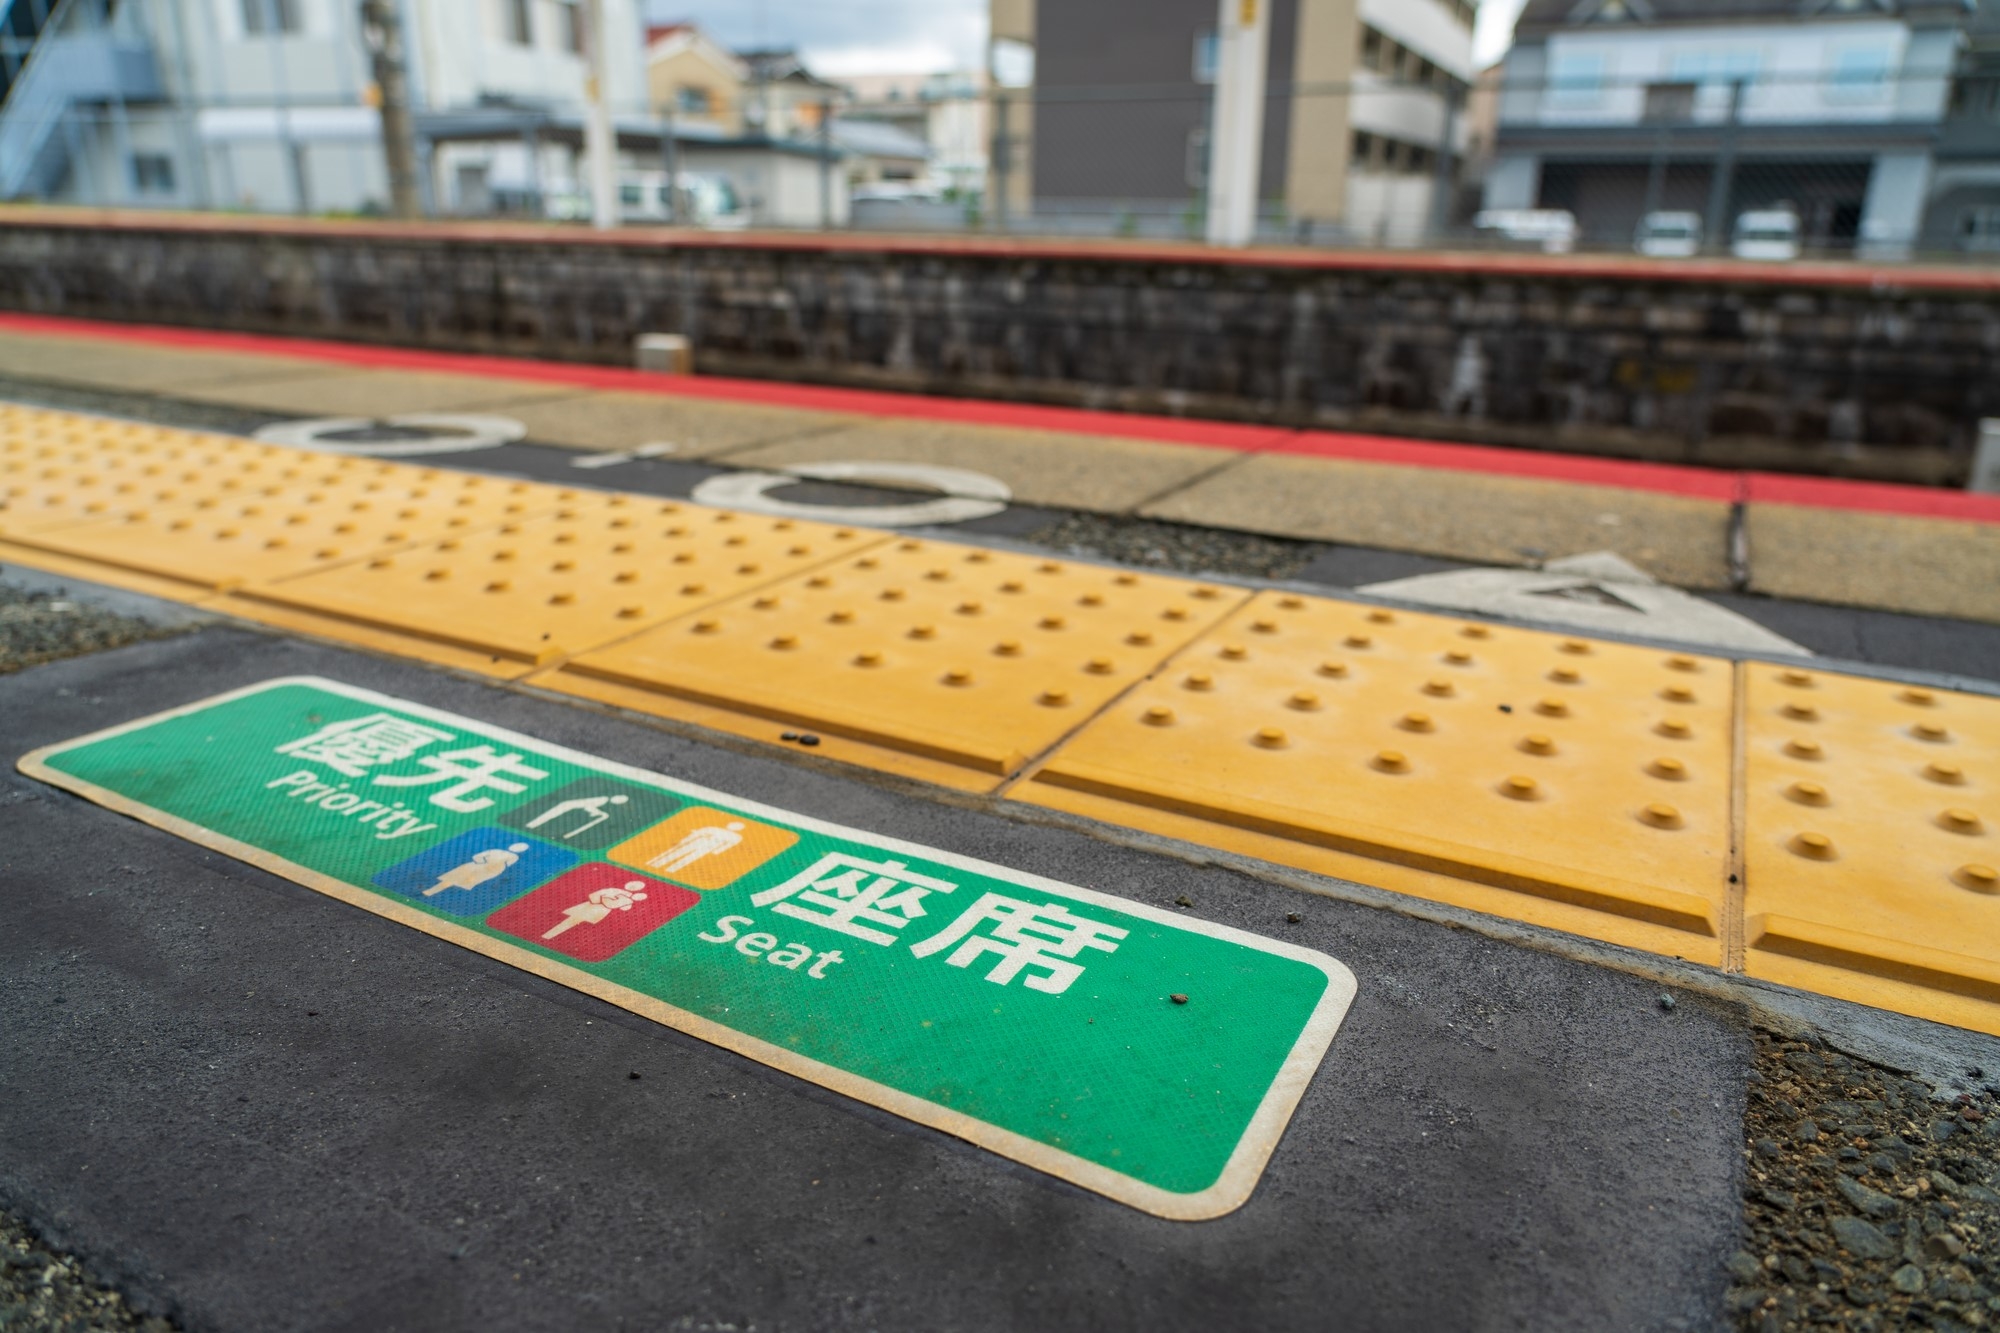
1198,680
1100,666
1958,820
1458,657
1797,679
1305,701
1671,769
1801,748
1264,626
923,631
1381,617
1055,698
1334,669
1536,743
1565,675
785,642
1674,728
1678,694
958,678
1358,641
1949,774
1235,652
1416,721
1807,793
1007,648
1552,708
1661,815
1391,761
1576,647
1159,715
1921,698
1520,787
1931,731
1440,688
1682,662
1476,632
1271,738
868,658
1979,878
1139,638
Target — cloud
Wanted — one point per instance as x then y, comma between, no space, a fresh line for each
845,37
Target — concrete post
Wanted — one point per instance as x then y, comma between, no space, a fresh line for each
825,164
1986,463
1236,131
600,144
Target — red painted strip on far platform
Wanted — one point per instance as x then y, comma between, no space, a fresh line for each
1870,496
1577,469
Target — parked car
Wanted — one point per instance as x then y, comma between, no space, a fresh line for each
1551,230
700,199
1669,235
1769,234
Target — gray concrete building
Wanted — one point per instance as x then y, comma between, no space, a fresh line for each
1861,116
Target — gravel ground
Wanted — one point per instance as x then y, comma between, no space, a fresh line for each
41,627
45,1292
1867,1204
1137,541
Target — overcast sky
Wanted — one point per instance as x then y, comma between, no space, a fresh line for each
846,37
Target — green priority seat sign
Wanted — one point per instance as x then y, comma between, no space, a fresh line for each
1146,1056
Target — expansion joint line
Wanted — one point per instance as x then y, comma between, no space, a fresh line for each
1732,924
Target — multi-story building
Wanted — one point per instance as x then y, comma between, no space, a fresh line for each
269,104
1853,114
1362,129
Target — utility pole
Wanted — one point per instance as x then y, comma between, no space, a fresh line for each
382,32
1721,183
600,144
1236,132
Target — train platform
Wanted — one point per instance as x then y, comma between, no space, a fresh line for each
1559,895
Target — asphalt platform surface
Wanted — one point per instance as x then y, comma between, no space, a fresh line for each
254,1107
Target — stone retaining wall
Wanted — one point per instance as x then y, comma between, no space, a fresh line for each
1886,380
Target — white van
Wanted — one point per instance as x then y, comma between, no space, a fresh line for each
1669,235
1552,230
1769,234
703,199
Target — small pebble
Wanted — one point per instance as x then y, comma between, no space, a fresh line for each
1667,1003
1178,999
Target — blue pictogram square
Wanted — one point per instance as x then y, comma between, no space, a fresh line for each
476,872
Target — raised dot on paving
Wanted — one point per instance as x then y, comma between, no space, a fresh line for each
1862,844
1607,815
592,568
974,695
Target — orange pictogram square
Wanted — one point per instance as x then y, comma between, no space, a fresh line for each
704,848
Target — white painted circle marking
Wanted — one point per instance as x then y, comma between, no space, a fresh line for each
466,433
967,494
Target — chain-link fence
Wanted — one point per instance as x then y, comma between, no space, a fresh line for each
1775,168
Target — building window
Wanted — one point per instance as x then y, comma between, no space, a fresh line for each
516,23
153,173
261,17
1979,228
1362,153
1197,159
1207,54
1669,103
1372,43
572,27
1859,74
1576,81
694,101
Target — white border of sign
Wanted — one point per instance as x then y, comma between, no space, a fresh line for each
1231,1190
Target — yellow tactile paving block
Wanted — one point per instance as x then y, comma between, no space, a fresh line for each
1872,854
57,468
1576,784
524,592
252,515
950,662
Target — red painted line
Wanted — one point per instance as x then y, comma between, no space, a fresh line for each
1577,469
1497,264
1871,497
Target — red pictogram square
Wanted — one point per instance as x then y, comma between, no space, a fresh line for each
593,911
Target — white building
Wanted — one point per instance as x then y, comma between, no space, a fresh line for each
269,104
1613,108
